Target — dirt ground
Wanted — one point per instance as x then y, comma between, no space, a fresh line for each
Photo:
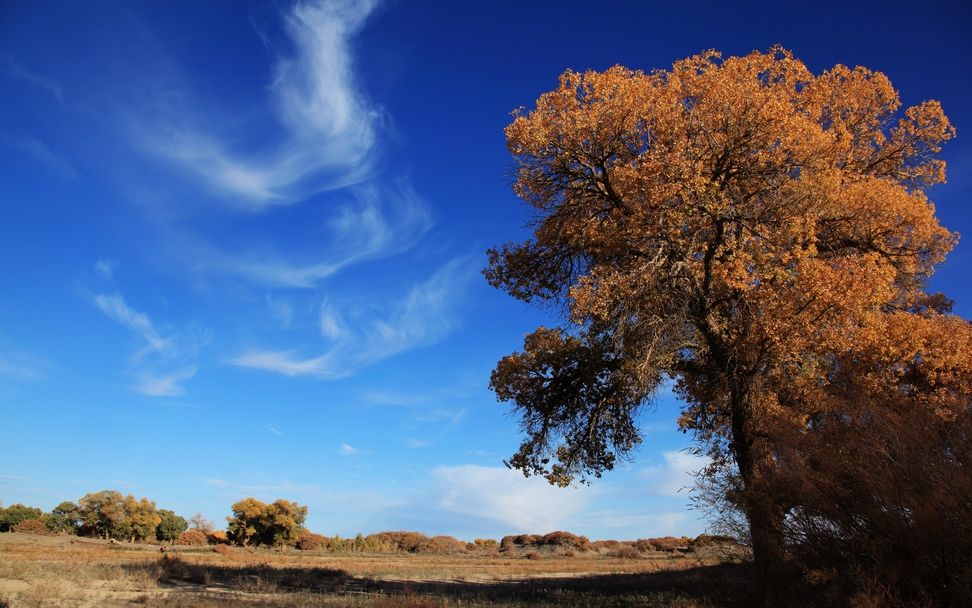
56,571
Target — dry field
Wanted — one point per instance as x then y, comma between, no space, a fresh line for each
38,571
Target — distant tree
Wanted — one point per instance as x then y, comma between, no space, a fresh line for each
17,513
103,514
141,519
245,523
170,526
277,524
65,517
281,523
200,523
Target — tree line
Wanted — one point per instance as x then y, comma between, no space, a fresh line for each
109,514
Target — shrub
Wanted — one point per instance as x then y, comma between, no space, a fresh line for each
670,543
705,540
217,537
223,549
194,538
889,515
404,541
442,545
627,553
564,539
308,541
486,543
32,526
532,555
605,545
520,540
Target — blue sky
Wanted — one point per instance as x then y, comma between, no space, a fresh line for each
241,245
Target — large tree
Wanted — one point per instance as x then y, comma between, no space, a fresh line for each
141,519
756,232
103,514
276,524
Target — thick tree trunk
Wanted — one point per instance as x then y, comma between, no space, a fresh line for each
766,533
753,453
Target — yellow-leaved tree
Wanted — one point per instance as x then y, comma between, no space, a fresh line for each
756,232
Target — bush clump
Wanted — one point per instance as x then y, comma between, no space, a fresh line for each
32,526
308,541
398,541
518,541
565,539
193,538
488,544
627,553
217,537
441,545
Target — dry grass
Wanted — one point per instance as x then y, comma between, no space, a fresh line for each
50,572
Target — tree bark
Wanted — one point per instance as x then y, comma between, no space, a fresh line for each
754,456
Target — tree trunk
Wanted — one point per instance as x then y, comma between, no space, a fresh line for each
754,456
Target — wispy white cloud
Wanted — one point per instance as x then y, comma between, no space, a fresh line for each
675,476
328,128
413,443
114,306
347,450
164,363
274,431
166,384
106,268
379,221
16,364
13,68
444,417
424,316
330,322
7,478
41,153
281,309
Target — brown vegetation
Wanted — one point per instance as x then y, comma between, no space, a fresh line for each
46,572
32,526
193,538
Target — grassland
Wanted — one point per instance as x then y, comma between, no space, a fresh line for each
64,571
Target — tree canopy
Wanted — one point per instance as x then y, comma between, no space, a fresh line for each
17,513
756,232
170,526
276,524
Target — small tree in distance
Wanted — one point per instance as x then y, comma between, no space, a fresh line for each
170,526
65,518
200,523
276,524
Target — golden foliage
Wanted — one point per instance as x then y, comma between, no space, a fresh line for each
194,538
758,232
32,526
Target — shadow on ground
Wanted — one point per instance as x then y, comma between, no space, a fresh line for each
722,585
